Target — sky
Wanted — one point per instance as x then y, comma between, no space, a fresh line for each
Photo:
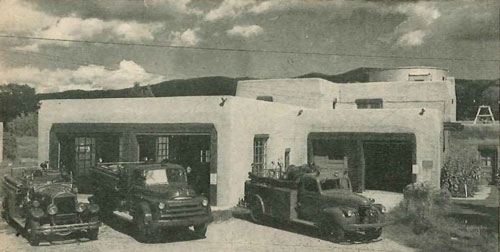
151,41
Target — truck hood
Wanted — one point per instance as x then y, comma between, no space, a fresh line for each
168,191
51,190
346,198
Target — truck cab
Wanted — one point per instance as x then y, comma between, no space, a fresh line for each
152,196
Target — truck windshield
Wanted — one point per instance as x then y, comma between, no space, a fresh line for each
332,184
164,176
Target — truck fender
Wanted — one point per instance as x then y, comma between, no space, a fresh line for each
333,215
144,209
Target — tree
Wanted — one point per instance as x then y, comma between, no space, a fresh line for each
25,124
16,99
490,97
138,91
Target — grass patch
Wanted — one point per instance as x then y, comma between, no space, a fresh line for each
27,147
462,226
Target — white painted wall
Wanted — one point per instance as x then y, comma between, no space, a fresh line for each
240,119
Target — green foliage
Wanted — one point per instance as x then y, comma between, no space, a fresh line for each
420,202
461,172
25,124
16,99
138,91
9,146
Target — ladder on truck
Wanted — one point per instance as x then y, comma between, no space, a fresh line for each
484,117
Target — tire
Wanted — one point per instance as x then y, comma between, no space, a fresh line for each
33,238
256,209
143,231
200,230
333,233
373,233
93,234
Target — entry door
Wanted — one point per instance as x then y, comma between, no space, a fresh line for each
85,150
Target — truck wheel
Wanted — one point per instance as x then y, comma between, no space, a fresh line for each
256,209
373,233
92,234
200,230
142,229
333,233
32,236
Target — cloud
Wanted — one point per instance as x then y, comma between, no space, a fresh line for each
417,26
90,77
21,17
180,6
245,31
186,38
229,9
75,28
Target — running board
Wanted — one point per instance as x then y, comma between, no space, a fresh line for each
124,215
303,222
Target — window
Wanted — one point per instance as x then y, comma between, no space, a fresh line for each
204,156
161,148
369,103
265,98
310,185
85,154
287,157
485,158
420,77
259,153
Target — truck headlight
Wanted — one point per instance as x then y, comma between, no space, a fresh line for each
204,202
349,213
161,205
52,209
383,210
94,208
35,203
37,213
80,207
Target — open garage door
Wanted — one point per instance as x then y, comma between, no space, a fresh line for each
388,165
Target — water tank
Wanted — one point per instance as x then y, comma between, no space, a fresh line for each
417,73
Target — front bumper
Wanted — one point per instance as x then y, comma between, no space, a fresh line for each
363,227
190,221
67,228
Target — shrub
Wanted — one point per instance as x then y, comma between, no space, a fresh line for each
461,172
420,204
24,125
9,146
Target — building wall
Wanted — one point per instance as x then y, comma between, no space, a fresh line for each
406,73
321,94
238,120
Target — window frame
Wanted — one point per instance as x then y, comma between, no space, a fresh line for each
260,153
369,103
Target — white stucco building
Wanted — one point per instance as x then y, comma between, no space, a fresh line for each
384,133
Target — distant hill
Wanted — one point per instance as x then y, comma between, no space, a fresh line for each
470,93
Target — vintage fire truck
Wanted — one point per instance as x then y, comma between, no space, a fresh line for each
43,203
151,196
315,197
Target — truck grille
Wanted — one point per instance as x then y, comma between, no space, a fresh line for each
65,205
368,215
182,209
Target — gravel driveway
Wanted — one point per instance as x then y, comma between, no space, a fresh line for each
230,235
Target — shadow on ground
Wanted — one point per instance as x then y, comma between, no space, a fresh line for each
162,236
244,214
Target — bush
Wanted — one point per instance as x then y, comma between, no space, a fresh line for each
460,173
9,146
24,125
420,203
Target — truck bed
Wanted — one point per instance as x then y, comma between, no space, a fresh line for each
279,202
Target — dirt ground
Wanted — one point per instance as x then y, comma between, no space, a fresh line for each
230,235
